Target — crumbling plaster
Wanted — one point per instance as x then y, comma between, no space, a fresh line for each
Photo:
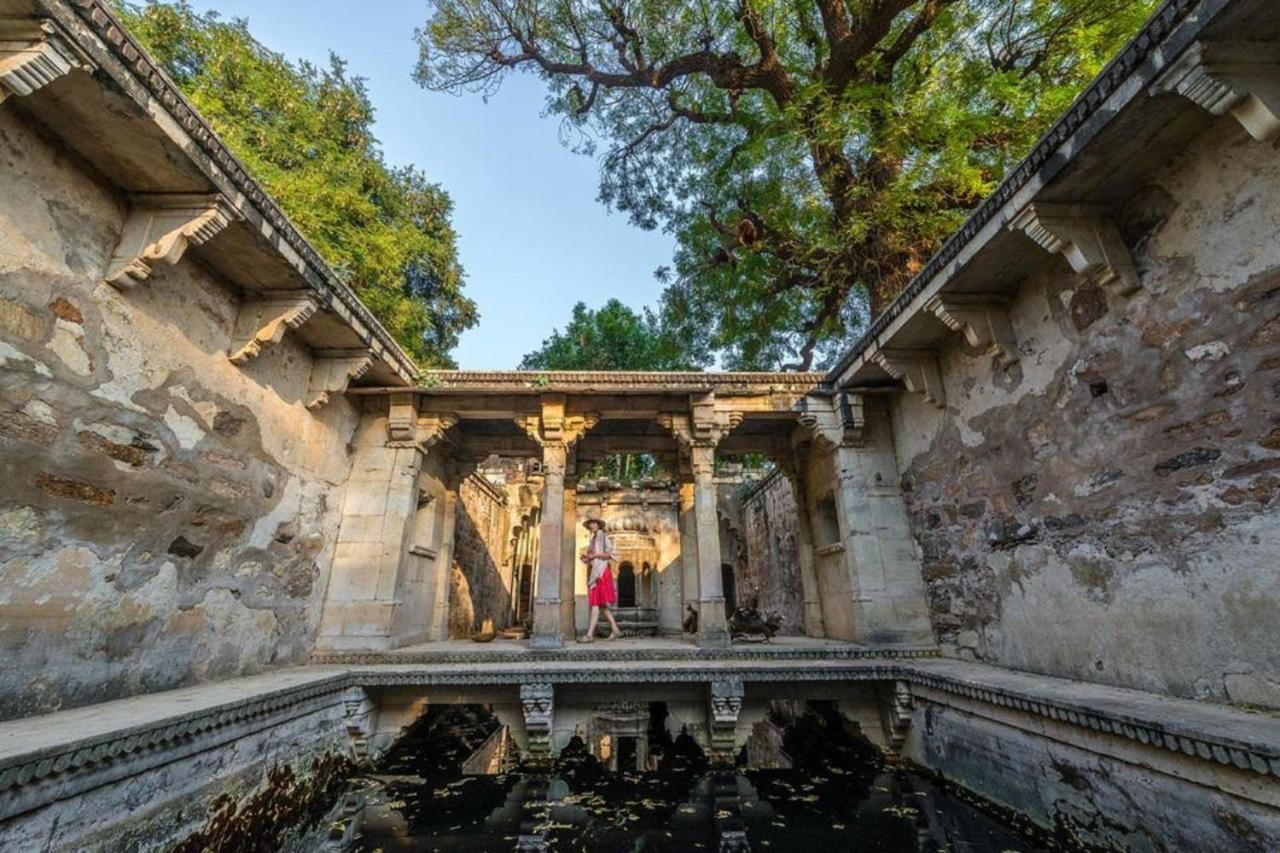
1104,509
168,516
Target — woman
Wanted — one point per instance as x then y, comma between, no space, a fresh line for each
601,593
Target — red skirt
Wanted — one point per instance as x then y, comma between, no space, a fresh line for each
603,593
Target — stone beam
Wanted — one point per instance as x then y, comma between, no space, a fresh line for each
537,701
917,370
333,370
983,319
160,228
1241,78
264,322
1086,236
34,53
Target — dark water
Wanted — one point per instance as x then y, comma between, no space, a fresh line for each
839,795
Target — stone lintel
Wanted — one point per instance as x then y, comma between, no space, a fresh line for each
264,321
1237,77
33,53
917,370
1086,236
982,318
160,228
334,370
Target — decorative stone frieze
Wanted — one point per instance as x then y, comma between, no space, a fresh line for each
917,370
1237,77
537,701
160,228
333,371
1086,236
264,322
34,53
983,319
724,707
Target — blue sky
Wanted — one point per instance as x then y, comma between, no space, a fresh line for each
532,237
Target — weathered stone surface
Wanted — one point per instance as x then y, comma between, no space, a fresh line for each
1127,478
771,570
484,589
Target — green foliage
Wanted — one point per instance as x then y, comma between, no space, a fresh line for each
809,155
307,134
614,337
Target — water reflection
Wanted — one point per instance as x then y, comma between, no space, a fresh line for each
837,794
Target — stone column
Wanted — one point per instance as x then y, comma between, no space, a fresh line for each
569,560
537,701
556,431
794,471
546,602
713,630
439,629
688,545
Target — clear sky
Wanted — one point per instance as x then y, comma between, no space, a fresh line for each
532,237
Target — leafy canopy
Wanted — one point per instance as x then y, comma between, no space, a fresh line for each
614,337
307,134
808,155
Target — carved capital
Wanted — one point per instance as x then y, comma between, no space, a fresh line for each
832,422
34,53
706,425
1237,77
537,701
917,370
333,371
983,319
263,322
554,425
1085,235
160,227
407,426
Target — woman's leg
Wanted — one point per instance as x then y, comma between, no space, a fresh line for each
616,632
591,624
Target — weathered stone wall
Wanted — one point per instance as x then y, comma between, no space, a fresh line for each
481,583
1106,508
167,517
772,570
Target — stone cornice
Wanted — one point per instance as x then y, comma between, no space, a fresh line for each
539,382
1046,159
98,18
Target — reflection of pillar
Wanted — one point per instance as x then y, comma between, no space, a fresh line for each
537,703
546,605
712,629
724,706
568,560
444,563
688,546
813,626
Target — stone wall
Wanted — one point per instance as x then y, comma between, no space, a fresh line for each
771,569
167,516
1105,509
481,581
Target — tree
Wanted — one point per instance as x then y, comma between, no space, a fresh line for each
809,155
307,134
615,338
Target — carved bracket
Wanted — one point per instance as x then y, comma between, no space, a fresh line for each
34,53
538,703
333,371
160,227
1239,77
982,318
706,427
263,322
724,706
916,369
1085,235
554,426
835,422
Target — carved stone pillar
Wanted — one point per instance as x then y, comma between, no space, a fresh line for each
556,431
724,707
537,701
439,629
569,558
688,544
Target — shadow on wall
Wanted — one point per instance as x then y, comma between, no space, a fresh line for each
479,588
